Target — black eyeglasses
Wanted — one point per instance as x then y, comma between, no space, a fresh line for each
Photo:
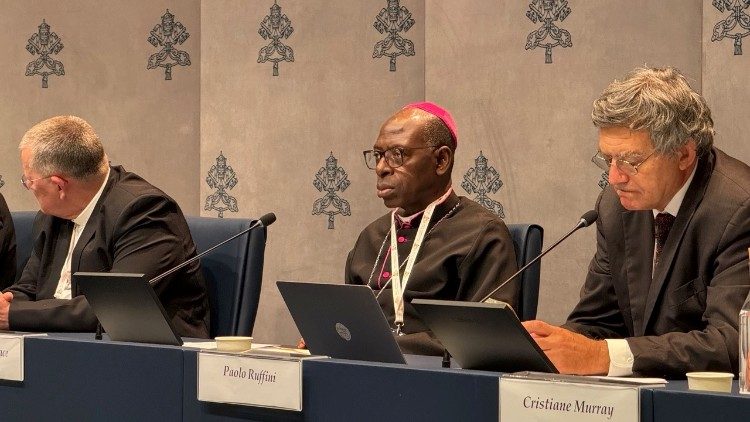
627,167
394,157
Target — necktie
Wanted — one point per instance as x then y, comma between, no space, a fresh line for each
662,224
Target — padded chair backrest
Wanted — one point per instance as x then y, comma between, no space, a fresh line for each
233,272
23,221
527,240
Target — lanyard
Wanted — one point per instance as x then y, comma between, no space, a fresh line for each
398,282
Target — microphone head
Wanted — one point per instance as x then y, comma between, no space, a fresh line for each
589,218
267,219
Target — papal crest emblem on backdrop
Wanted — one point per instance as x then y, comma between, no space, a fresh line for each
168,35
737,21
549,35
275,27
329,180
391,21
44,43
483,180
221,178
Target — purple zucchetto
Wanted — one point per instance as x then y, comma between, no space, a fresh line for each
441,114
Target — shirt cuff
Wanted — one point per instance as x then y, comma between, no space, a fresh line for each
620,358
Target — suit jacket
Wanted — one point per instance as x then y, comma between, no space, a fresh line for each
466,253
685,318
134,228
7,246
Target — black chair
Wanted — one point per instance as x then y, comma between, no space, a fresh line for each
527,240
233,272
23,221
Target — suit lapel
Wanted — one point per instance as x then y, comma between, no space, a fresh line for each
639,250
693,198
92,224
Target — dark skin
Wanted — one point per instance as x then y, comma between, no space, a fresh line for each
425,174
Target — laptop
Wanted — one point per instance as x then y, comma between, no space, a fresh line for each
486,336
127,307
341,321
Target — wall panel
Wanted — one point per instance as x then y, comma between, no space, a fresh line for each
146,123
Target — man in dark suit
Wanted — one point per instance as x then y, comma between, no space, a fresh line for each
670,273
7,246
96,217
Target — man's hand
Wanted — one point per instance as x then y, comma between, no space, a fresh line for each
572,353
5,300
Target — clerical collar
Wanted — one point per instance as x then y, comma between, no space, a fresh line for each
409,219
674,204
83,217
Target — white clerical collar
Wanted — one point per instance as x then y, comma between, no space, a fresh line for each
674,204
439,201
84,216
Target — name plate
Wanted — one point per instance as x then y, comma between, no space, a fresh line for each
250,380
11,357
536,400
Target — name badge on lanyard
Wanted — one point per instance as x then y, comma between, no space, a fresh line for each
398,282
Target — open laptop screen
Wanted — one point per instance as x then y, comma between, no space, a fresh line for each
127,307
485,336
341,321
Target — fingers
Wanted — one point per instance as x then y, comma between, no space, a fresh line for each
539,328
8,296
301,344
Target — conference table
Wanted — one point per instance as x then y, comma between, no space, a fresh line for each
72,377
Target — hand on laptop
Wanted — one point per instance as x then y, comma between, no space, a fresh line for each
572,353
301,344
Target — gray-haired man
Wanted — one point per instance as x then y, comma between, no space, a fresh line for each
96,217
670,273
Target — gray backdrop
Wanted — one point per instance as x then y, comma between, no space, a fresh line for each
529,119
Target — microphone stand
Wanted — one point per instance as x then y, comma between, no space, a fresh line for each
265,220
581,224
202,254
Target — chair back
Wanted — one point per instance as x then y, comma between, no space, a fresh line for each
23,222
527,240
233,272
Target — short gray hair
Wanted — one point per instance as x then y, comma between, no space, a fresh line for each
660,101
64,145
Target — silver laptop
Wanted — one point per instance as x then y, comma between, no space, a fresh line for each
341,321
127,307
486,336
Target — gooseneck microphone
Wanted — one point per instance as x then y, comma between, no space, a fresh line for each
265,221
586,220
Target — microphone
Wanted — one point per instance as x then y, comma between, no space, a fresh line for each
587,219
265,221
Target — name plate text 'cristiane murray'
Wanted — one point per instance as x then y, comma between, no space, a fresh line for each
539,400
